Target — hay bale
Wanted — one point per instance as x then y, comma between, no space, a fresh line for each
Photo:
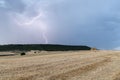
93,49
23,53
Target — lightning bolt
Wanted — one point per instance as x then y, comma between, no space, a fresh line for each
45,38
28,22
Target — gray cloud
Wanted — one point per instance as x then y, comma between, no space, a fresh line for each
88,22
81,22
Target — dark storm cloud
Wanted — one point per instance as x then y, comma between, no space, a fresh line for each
13,5
79,22
87,22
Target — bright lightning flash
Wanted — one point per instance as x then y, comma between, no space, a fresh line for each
35,21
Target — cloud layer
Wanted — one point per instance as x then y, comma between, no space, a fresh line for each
77,22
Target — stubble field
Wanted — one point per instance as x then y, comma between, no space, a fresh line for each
71,65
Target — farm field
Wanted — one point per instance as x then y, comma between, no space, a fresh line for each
64,65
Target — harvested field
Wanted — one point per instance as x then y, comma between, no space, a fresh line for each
77,65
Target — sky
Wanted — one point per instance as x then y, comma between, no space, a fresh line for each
95,23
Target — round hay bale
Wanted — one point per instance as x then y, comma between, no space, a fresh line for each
93,49
22,54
